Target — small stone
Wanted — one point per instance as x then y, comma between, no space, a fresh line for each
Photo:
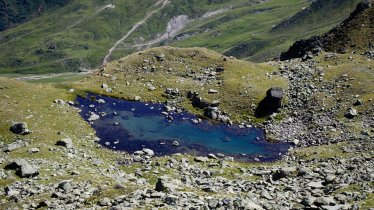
201,159
212,156
160,57
59,101
351,113
65,185
315,185
296,142
66,142
215,103
44,204
104,202
329,179
148,152
304,171
33,150
308,201
359,102
163,186
212,91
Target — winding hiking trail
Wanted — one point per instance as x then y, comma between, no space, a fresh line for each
108,6
177,24
50,76
163,3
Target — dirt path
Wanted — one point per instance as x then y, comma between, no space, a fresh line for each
49,76
108,6
176,25
163,3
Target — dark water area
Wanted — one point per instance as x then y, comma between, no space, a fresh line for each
130,126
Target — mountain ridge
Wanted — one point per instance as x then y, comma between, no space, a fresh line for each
355,33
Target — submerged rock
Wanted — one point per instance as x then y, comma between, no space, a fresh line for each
93,117
175,143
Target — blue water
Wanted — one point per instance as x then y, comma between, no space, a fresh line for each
142,125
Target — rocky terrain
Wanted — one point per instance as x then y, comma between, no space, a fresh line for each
330,166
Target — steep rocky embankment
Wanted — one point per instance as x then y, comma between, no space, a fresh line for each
354,34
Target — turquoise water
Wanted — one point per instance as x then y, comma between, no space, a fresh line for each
130,126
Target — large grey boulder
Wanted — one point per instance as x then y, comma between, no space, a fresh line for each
20,128
15,145
271,103
23,168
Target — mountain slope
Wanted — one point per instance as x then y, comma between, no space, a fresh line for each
355,33
320,13
319,17
14,12
78,36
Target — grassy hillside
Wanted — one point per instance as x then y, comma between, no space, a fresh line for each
355,33
13,12
321,13
318,18
240,86
98,174
78,36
